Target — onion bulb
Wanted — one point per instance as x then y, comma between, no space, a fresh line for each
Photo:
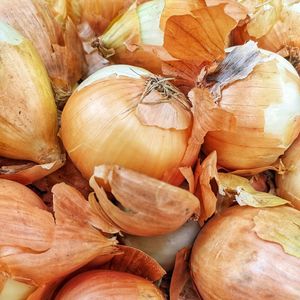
57,43
274,25
266,105
104,284
127,116
288,181
163,248
28,116
248,253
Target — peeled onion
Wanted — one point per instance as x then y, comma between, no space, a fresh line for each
163,248
104,284
288,181
108,120
248,253
266,105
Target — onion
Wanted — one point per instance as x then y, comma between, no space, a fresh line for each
103,284
274,25
127,116
26,100
159,30
14,290
247,253
164,248
57,43
266,105
288,181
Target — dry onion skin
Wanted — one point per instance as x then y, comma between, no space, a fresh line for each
265,103
26,100
104,284
159,30
288,181
57,44
247,251
143,206
274,25
127,116
38,248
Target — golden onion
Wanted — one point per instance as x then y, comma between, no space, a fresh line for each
105,284
57,43
28,116
249,253
266,105
288,181
127,116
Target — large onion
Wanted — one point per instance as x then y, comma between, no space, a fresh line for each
288,181
248,253
109,121
266,105
104,284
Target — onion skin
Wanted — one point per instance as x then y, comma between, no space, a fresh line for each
100,126
229,261
288,183
267,116
108,285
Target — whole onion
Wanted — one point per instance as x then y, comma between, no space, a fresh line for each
266,105
127,116
104,284
243,254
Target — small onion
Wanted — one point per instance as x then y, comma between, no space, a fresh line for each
248,253
288,182
163,248
123,115
104,284
266,105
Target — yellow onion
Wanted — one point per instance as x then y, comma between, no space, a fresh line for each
274,25
163,248
248,253
144,206
127,116
159,30
288,181
28,120
58,44
266,105
102,284
11,289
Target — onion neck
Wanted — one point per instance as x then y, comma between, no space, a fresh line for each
102,49
48,153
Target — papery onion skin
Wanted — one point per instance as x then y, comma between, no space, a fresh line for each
106,285
28,115
100,126
267,108
287,182
229,261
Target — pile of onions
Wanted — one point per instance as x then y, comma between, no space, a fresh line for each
127,116
288,181
102,284
26,100
266,105
247,253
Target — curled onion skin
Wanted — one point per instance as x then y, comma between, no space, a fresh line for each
229,260
101,124
288,182
266,105
106,285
